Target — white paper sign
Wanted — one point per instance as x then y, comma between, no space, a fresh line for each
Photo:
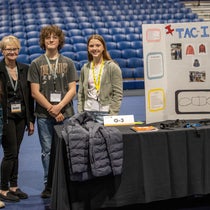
119,120
176,71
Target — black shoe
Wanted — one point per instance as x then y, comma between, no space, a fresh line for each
9,197
19,193
46,193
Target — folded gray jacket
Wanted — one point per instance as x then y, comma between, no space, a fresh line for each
93,150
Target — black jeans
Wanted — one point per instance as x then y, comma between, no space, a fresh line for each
13,133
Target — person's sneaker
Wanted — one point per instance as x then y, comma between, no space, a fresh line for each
2,205
9,197
46,193
19,193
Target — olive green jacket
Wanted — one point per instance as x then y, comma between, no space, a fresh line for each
111,89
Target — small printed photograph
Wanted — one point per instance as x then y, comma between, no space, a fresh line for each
176,51
197,76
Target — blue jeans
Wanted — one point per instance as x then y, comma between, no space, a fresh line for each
46,132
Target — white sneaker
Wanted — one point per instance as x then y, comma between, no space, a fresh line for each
2,205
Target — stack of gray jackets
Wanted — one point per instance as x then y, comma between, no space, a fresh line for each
93,150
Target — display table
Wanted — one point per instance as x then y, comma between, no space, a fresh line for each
157,166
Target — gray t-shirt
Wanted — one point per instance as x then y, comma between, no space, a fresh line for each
41,73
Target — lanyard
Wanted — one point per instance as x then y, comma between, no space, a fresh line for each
52,71
14,86
97,83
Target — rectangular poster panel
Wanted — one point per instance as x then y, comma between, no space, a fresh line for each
177,71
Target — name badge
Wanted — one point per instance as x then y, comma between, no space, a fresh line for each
95,106
16,108
55,97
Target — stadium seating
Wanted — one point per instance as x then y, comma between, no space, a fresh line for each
120,24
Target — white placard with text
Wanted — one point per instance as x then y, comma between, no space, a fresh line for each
118,120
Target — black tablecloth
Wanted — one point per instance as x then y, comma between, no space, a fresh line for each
157,166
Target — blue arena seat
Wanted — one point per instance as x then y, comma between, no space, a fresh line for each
112,24
129,30
44,21
67,48
166,16
136,23
122,62
123,45
124,23
20,34
127,73
88,31
5,23
107,37
81,55
29,15
69,19
32,34
82,62
75,32
132,36
58,21
31,27
4,34
154,16
79,47
72,25
5,29
120,18
23,58
139,52
179,16
77,65
23,50
134,62
69,55
17,22
83,25
111,45
41,15
77,39
119,37
98,24
17,16
138,30
116,30
82,19
128,53
35,49
102,31
138,73
115,53
31,21
191,16
95,19
131,17
32,41
136,44
34,56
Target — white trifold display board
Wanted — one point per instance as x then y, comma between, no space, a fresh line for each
177,71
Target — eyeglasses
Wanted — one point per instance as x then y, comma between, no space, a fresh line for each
11,49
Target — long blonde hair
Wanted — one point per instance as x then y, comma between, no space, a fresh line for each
106,54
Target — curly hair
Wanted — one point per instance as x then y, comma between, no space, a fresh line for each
47,31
